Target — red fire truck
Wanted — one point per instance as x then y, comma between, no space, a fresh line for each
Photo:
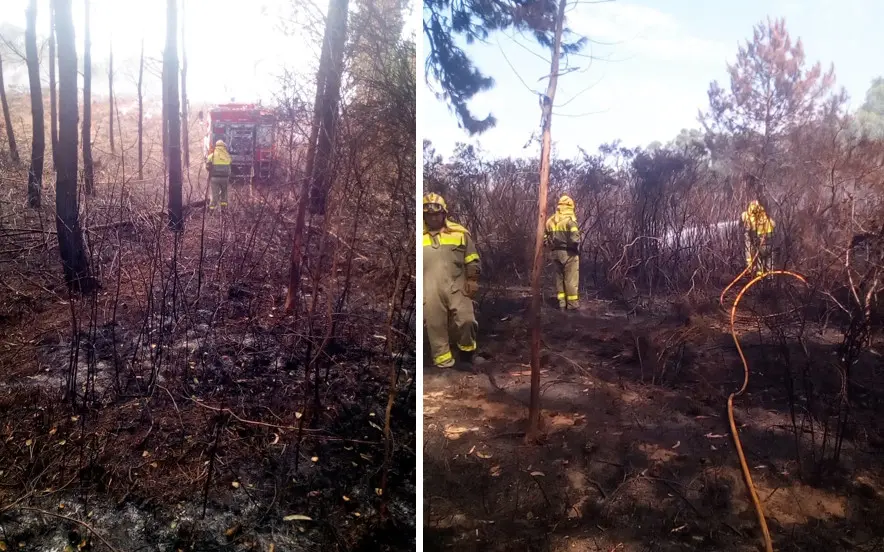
250,134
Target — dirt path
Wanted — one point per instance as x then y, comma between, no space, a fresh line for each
637,455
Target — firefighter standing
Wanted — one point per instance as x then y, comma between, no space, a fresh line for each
563,238
758,229
451,274
218,165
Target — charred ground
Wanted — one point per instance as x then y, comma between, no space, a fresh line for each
180,407
184,405
638,453
196,423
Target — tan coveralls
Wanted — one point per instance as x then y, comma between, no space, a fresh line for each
450,259
563,238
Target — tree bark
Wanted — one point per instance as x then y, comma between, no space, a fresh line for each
165,117
110,99
88,169
67,222
336,30
7,120
173,124
38,141
141,114
534,407
185,120
336,21
53,102
122,142
314,126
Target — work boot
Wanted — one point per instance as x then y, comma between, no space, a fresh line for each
465,361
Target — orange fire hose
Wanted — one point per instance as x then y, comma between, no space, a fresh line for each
747,476
737,279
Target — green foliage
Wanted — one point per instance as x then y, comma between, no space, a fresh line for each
376,149
870,116
772,95
446,21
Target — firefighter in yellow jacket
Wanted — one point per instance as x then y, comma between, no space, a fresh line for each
451,275
563,238
218,165
758,230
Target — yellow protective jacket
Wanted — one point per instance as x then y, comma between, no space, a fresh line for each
218,162
755,220
562,232
450,258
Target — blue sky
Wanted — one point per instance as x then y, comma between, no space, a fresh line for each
656,62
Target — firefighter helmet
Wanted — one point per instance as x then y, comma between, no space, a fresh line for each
434,203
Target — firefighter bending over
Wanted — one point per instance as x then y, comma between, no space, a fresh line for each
758,229
218,165
563,239
451,279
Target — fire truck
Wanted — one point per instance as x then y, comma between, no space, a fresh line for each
249,131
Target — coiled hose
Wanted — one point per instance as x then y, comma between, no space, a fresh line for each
747,476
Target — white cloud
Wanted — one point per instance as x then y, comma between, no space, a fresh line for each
644,31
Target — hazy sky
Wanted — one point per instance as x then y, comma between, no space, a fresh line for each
235,48
663,54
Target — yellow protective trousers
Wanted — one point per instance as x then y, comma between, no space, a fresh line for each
219,191
449,255
760,250
447,316
567,277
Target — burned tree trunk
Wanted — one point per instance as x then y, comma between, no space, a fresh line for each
185,138
88,169
38,142
297,246
314,126
110,98
336,31
53,104
7,120
313,188
547,104
141,114
67,222
165,117
173,123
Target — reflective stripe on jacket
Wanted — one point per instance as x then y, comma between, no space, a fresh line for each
218,162
562,231
450,257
